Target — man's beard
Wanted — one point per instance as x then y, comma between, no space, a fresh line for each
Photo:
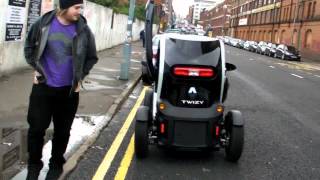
74,18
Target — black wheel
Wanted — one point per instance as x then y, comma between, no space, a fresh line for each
146,79
235,144
148,101
141,139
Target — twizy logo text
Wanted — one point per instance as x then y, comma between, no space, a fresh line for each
192,102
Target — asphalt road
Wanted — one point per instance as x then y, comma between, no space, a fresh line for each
281,106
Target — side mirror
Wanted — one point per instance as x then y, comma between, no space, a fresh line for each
230,67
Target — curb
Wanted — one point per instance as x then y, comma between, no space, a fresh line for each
75,157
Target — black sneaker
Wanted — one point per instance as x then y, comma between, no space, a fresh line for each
34,171
54,173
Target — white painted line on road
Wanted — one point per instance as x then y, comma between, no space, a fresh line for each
317,76
134,60
135,68
272,67
251,59
297,76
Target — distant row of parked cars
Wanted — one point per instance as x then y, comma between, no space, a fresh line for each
282,51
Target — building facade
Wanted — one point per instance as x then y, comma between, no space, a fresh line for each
291,22
190,14
201,5
217,18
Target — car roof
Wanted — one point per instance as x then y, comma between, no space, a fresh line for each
189,37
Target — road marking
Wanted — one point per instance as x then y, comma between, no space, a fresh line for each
317,75
134,60
296,75
126,161
251,59
107,160
272,67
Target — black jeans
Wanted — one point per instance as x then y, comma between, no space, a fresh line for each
46,104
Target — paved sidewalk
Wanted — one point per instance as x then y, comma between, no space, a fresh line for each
102,95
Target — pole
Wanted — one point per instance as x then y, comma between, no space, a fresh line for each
170,13
125,64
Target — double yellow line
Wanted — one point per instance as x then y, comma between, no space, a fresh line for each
108,158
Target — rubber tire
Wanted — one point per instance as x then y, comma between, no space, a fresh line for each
148,101
141,140
145,76
236,141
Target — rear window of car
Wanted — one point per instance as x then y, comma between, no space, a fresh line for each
291,48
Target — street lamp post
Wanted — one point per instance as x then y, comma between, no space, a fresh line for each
125,64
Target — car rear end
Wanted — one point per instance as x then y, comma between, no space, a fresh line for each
189,112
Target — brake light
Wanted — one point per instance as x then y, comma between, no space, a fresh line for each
217,131
162,128
193,72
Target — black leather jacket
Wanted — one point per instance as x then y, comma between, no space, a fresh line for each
83,47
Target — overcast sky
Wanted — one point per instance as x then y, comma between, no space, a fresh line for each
181,7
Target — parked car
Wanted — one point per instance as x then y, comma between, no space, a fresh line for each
241,43
173,31
234,42
287,52
261,48
227,40
253,46
271,49
246,45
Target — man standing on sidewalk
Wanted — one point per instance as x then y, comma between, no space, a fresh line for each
61,49
142,37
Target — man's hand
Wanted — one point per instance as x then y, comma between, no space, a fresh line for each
78,87
35,74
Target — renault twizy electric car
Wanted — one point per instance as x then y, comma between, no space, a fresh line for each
183,108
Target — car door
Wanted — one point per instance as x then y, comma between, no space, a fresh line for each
279,50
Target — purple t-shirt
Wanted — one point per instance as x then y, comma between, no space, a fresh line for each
57,57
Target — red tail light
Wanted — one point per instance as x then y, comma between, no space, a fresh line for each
217,131
162,128
193,72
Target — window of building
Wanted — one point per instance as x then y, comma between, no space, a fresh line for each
276,38
284,17
295,38
269,36
293,12
309,10
300,8
282,36
259,36
308,39
314,9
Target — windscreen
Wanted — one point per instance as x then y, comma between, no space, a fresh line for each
192,52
